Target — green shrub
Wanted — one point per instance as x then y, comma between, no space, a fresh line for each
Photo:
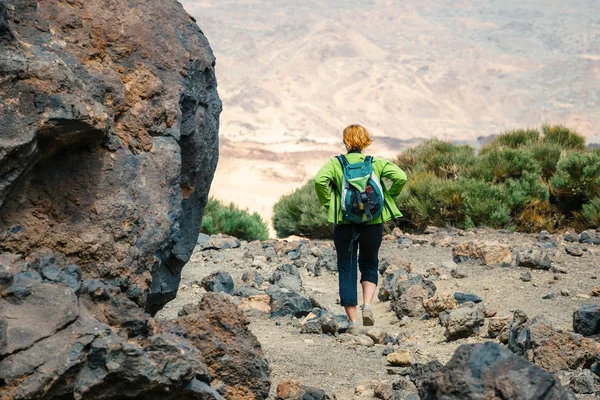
547,156
230,220
430,200
513,140
485,204
444,159
498,165
563,136
577,178
301,213
521,192
590,213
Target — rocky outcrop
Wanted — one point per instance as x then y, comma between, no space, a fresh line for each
63,338
109,118
109,121
489,370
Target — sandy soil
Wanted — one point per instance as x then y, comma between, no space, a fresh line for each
331,363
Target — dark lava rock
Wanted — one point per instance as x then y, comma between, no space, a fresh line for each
465,297
489,370
590,236
287,302
218,282
109,138
586,320
572,237
220,242
550,348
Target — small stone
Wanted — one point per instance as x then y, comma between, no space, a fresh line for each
582,382
526,276
400,358
574,251
582,296
596,291
548,295
565,292
462,297
455,273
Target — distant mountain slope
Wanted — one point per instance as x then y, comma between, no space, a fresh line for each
453,69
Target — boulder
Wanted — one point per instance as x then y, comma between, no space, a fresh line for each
489,370
550,348
110,138
231,352
218,282
586,320
487,253
96,347
497,326
534,259
463,322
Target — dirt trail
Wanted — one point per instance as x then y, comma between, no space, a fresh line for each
339,367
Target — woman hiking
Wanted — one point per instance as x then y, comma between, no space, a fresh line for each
358,203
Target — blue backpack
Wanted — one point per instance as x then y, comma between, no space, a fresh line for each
361,192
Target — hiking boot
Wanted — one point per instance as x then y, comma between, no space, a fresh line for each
353,329
368,317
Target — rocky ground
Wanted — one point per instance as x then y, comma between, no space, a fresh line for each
551,276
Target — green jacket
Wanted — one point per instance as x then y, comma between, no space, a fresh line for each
331,173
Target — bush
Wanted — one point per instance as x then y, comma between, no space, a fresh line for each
301,213
430,200
230,220
590,214
485,204
577,179
498,165
547,156
513,140
563,136
444,159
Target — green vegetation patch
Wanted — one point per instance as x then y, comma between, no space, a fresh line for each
230,220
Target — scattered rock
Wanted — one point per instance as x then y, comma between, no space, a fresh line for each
591,237
582,382
218,282
463,322
408,296
488,253
596,291
390,276
462,298
478,370
586,320
455,273
439,303
319,321
296,390
526,276
220,242
287,302
565,292
548,296
400,358
256,305
533,258
572,237
549,348
575,251
497,326
287,276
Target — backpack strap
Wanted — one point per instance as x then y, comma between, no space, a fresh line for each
342,160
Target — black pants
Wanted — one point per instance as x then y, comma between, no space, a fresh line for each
348,238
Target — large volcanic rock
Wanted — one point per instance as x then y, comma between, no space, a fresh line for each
109,120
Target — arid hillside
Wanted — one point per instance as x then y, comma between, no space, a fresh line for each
293,74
